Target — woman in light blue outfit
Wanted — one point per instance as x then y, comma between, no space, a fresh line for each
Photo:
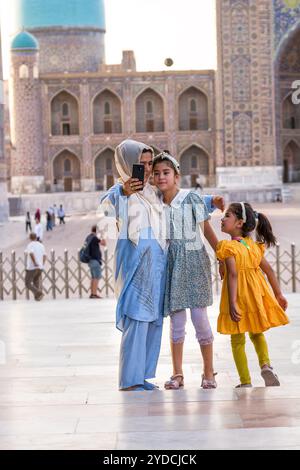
140,267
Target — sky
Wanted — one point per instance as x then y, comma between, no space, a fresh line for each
184,30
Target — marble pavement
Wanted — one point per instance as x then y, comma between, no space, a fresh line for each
58,386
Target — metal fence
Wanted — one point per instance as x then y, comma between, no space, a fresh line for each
66,277
63,277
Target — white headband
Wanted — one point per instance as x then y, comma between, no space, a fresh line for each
244,214
167,156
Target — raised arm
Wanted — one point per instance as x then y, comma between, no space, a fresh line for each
214,202
210,235
268,270
232,278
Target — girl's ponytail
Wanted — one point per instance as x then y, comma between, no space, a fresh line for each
264,231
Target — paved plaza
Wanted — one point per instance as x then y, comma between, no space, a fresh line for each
58,386
59,370
285,219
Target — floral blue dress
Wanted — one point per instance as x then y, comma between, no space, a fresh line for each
188,283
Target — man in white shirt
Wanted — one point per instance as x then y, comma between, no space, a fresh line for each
38,230
61,215
36,257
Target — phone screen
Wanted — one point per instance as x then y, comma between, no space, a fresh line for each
138,172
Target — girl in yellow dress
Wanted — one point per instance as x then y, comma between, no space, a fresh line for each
247,303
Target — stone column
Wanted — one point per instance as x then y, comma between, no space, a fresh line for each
87,180
170,115
128,108
28,161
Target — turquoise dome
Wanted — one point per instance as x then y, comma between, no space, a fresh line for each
24,41
32,14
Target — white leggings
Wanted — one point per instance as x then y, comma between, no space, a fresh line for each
201,324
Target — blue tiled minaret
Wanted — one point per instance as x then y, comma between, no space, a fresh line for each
70,32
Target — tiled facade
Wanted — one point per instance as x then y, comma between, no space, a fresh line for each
287,71
255,41
84,96
59,50
3,174
223,125
245,78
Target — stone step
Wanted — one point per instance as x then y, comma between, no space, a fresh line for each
286,194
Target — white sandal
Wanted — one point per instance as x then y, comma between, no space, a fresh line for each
175,383
209,384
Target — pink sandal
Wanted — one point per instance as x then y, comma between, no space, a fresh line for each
208,384
175,383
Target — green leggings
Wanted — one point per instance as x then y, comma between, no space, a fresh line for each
238,343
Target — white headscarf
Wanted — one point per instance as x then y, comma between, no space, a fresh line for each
129,152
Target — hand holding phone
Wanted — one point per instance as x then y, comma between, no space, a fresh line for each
136,183
138,172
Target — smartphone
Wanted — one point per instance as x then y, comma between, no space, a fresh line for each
138,172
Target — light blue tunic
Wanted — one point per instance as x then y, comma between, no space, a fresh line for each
140,270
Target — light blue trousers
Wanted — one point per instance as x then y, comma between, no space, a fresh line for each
140,348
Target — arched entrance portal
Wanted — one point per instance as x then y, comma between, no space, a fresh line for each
149,112
193,110
290,114
194,165
105,170
287,70
107,113
64,115
291,163
66,172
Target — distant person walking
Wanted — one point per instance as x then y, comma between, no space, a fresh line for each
35,265
38,230
51,215
37,215
28,222
49,221
55,214
95,263
61,215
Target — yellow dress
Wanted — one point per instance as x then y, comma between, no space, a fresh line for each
255,300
